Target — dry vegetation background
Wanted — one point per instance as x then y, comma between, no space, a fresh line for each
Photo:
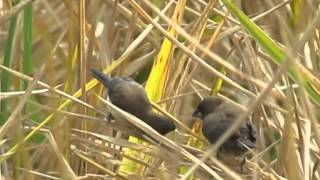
261,54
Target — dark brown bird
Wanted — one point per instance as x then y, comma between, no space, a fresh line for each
131,97
218,115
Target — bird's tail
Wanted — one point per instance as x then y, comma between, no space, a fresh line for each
103,78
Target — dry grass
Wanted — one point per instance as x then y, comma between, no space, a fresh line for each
54,126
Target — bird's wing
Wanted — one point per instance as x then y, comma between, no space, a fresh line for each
214,125
248,135
130,96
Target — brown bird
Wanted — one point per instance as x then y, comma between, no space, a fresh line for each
131,97
218,115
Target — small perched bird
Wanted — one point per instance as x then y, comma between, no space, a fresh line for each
131,97
218,115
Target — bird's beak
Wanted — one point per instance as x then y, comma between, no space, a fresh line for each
197,114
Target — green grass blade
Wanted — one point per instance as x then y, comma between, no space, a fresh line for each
5,83
27,41
297,73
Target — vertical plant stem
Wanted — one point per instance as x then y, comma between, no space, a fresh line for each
5,83
27,41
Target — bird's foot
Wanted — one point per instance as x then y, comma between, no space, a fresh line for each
242,165
109,118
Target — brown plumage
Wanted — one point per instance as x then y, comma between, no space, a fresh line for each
131,97
218,115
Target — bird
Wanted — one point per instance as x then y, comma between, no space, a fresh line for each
218,115
131,97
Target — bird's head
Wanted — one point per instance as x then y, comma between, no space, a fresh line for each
207,106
